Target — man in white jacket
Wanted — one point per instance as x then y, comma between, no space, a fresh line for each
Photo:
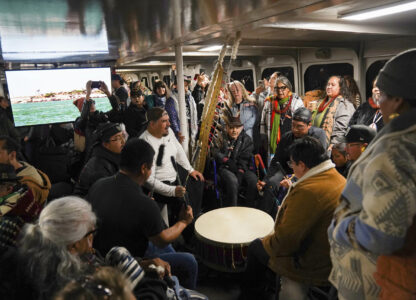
169,154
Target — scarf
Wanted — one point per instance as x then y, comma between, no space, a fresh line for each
373,104
323,117
277,112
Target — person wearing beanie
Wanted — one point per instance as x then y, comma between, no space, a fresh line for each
373,249
357,138
105,157
301,126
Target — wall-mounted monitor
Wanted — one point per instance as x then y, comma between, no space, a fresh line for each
46,96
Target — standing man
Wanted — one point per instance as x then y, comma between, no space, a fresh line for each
131,219
164,178
301,127
298,249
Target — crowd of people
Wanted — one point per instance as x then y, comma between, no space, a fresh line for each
338,180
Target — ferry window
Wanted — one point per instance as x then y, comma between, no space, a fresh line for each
154,79
166,79
371,74
144,81
245,77
285,71
316,76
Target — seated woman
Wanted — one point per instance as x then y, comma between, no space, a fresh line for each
334,112
53,251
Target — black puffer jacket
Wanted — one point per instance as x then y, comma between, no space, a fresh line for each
242,151
134,118
103,163
365,115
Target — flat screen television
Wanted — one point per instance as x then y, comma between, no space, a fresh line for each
46,96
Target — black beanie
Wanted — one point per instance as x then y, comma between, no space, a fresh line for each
106,130
396,77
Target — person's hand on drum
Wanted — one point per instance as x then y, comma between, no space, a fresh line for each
186,214
196,175
157,262
260,185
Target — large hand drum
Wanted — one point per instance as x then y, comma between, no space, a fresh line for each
225,234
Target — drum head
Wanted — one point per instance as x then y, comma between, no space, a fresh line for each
233,225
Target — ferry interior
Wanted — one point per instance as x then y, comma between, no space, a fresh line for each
305,40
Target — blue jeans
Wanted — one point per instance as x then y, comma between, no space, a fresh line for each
182,264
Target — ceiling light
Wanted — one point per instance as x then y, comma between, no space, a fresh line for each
211,48
379,12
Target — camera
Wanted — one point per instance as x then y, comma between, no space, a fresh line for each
95,84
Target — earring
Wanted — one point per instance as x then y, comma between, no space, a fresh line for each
393,115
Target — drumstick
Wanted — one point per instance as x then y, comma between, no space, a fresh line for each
279,166
186,202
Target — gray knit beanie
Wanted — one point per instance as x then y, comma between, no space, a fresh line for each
397,78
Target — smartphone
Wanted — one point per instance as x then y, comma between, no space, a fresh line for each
95,84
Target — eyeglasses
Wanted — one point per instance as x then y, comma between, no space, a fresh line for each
92,101
298,126
118,138
280,88
97,288
93,232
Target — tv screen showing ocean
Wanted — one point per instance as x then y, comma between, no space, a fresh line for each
48,112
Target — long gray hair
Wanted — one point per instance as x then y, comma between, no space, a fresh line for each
285,81
44,245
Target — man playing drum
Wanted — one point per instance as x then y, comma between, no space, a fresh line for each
298,249
169,155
